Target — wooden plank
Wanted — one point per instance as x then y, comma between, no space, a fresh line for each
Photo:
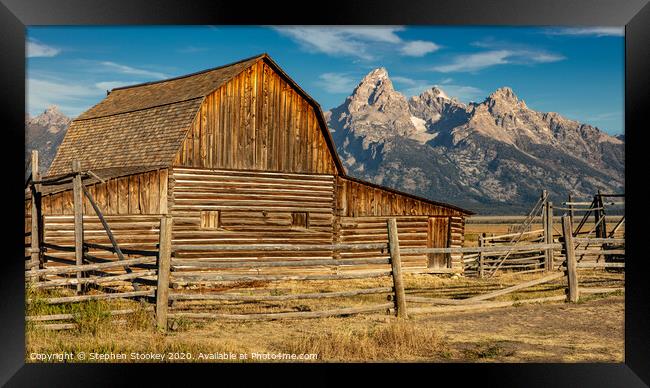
93,280
262,298
219,277
278,247
90,267
516,287
572,273
290,315
596,290
261,264
483,305
78,219
396,265
486,249
83,298
35,254
164,259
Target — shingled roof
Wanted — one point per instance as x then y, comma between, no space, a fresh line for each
141,125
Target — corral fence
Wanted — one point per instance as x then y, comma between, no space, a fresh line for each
523,233
177,287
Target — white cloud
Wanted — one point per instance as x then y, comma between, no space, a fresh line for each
356,41
336,82
482,60
109,85
71,98
123,69
414,87
406,80
461,92
588,31
36,49
418,48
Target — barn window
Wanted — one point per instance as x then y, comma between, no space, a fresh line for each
300,220
210,219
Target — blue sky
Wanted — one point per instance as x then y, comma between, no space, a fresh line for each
577,72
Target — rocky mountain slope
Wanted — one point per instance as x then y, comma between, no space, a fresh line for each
492,157
44,133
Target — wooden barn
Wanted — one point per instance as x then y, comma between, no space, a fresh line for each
237,154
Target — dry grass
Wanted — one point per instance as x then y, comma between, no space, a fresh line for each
540,332
397,340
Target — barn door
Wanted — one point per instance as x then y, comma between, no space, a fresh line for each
438,237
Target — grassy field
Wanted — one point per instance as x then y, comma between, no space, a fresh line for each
591,330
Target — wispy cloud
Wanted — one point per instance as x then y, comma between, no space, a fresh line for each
124,69
587,31
356,41
109,85
36,49
336,82
414,87
418,48
478,61
71,98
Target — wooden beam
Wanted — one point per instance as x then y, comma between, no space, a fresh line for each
279,247
297,314
548,236
572,272
261,298
164,261
516,287
396,265
36,259
78,219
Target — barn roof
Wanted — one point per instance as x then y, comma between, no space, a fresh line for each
143,126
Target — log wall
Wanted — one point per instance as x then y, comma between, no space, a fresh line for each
144,193
257,121
254,208
358,199
412,232
130,231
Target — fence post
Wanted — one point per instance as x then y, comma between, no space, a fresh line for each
78,218
548,236
480,256
571,270
164,259
396,265
571,209
35,259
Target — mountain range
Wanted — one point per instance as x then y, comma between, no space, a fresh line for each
493,157
44,133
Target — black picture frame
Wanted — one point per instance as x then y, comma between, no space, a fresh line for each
16,14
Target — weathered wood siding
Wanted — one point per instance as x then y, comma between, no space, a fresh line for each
257,121
130,231
144,193
358,199
412,232
28,227
457,239
255,208
438,237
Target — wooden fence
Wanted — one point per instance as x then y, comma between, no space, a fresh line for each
166,271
